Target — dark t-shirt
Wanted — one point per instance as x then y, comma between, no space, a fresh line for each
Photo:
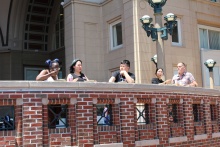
120,78
156,81
81,78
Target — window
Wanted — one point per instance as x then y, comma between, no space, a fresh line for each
213,110
57,116
116,35
209,38
176,37
7,121
213,0
104,114
60,29
196,112
142,111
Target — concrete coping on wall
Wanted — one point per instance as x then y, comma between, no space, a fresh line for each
214,135
148,142
178,139
109,145
102,86
200,137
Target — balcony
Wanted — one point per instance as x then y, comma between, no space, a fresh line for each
70,114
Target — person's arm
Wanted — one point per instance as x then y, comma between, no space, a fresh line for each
193,81
167,81
86,78
70,78
44,74
193,84
128,78
112,79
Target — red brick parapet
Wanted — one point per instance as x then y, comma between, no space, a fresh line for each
31,98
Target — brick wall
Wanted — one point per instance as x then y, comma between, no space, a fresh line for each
31,100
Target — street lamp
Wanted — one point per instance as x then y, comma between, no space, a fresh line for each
210,63
157,32
154,59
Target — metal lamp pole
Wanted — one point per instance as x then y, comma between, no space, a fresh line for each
157,32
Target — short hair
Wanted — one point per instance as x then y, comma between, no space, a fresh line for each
126,62
157,70
183,64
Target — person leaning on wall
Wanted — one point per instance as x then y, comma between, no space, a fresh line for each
76,74
183,78
159,77
50,74
123,75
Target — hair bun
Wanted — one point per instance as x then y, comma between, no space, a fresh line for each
56,60
48,62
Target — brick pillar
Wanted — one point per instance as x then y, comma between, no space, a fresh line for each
127,122
188,118
32,122
84,117
218,114
162,120
207,118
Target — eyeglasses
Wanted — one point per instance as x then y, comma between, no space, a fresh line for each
57,68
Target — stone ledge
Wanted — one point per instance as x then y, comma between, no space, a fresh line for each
178,139
109,145
22,86
148,142
200,137
214,135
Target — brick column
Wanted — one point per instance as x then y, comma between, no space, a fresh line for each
32,122
84,117
127,122
188,118
207,118
162,120
218,114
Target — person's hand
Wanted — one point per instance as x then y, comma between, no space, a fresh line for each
75,80
123,72
54,73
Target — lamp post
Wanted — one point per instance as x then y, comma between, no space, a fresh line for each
210,63
157,32
154,59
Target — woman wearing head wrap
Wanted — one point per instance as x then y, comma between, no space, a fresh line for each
51,73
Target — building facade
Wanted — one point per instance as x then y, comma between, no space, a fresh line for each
102,33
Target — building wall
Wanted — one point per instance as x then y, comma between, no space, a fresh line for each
87,37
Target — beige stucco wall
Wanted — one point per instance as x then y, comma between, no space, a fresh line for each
93,20
189,11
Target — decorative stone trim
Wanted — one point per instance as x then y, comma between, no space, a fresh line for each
214,135
19,102
109,145
178,139
73,101
200,137
45,101
147,142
